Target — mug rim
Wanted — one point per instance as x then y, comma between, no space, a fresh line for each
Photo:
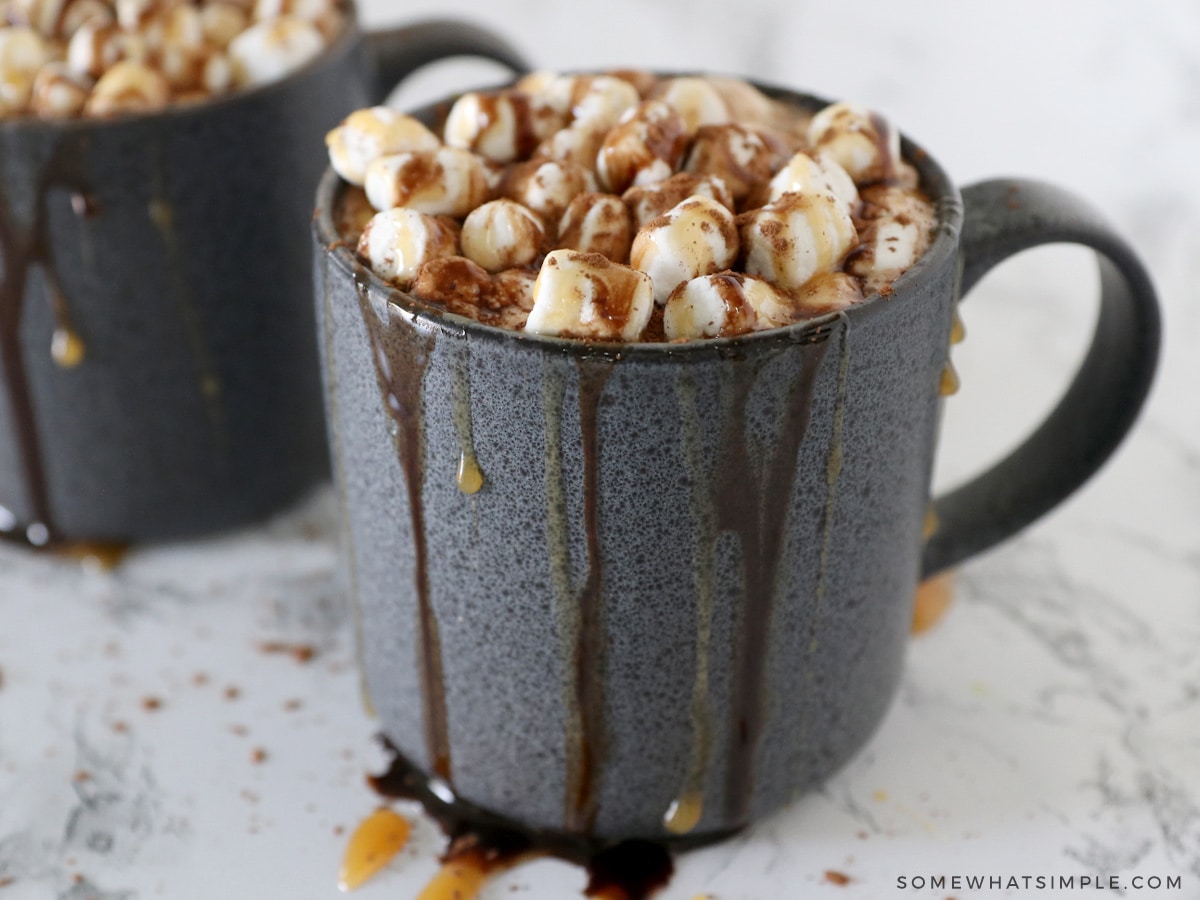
346,40
943,192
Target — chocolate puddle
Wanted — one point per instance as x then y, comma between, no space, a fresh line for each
401,355
621,870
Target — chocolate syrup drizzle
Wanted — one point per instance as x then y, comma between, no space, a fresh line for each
755,508
623,870
401,355
19,252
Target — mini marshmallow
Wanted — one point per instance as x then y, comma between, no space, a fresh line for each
585,295
217,76
697,237
695,99
58,93
501,126
897,232
750,106
578,143
128,87
455,283
22,53
807,174
547,186
367,134
397,242
597,223
222,22
95,48
599,101
652,200
712,306
644,147
442,182
825,292
502,234
311,10
79,12
739,156
270,50
797,236
861,142
41,15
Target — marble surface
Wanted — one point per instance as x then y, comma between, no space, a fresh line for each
159,736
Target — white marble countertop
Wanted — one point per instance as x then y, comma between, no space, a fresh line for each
153,745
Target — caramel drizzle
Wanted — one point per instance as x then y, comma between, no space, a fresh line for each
401,353
18,253
753,503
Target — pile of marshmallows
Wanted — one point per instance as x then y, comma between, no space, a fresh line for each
98,58
625,207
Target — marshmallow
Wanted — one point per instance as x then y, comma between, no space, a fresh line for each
22,53
367,134
861,142
501,126
311,10
79,12
41,15
222,22
739,156
398,241
797,236
897,232
58,93
442,182
695,99
547,186
599,101
270,50
645,146
712,306
584,295
128,87
824,293
579,143
597,223
513,290
652,200
697,237
750,106
502,234
456,284
807,174
96,47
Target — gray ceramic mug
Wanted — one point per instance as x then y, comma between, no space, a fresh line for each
171,249
683,593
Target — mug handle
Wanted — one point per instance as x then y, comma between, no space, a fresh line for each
1003,217
395,53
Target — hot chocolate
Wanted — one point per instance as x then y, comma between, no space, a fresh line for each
648,208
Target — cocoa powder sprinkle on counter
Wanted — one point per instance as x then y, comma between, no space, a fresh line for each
838,878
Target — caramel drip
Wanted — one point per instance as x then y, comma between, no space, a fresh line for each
930,526
948,381
163,217
469,476
19,252
687,809
482,844
590,656
337,455
958,331
753,501
401,352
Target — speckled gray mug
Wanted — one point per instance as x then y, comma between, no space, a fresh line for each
173,245
683,593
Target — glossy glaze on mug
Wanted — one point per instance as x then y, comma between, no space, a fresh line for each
682,593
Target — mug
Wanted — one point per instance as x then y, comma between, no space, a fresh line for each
159,374
658,590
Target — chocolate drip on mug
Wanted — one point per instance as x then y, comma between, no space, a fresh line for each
18,254
401,352
590,657
755,507
623,870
